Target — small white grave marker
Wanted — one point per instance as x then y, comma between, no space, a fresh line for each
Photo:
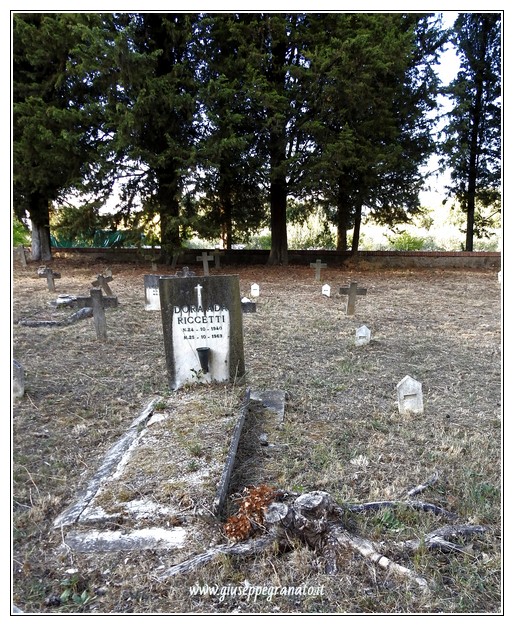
325,291
362,336
410,396
254,290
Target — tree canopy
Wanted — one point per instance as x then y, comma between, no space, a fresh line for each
222,123
471,146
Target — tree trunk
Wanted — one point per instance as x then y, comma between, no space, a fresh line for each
277,147
278,199
343,219
40,218
357,230
474,146
169,208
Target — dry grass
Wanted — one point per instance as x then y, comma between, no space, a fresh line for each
342,433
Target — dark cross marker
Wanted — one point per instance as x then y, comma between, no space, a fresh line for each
352,292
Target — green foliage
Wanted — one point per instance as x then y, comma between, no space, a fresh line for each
406,241
74,591
215,125
20,233
471,146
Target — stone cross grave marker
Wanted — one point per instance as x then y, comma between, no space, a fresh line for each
202,328
362,336
352,291
98,313
318,266
410,396
217,254
102,281
325,291
50,275
205,258
80,302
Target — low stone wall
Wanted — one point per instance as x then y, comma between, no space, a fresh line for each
363,259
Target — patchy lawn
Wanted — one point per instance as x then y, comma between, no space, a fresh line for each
341,433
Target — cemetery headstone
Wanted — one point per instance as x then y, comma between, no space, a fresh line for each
362,336
174,260
247,306
184,272
102,281
20,251
325,291
318,266
254,290
18,379
151,284
98,313
50,275
352,292
205,258
152,298
202,327
217,257
410,396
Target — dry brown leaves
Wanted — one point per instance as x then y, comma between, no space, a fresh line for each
250,516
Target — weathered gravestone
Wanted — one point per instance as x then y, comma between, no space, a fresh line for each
205,258
50,275
102,281
202,327
152,298
20,254
410,396
151,283
362,336
248,306
18,379
217,254
317,266
352,292
99,319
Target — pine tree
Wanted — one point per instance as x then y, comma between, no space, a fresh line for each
56,117
471,146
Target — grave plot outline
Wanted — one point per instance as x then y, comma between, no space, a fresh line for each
202,312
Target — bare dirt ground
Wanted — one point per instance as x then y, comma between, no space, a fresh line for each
342,433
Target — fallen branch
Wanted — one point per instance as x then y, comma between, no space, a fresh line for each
391,504
254,546
315,519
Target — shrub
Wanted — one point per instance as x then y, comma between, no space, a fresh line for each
20,233
406,241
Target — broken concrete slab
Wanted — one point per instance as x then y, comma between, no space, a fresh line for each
272,399
113,458
154,538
